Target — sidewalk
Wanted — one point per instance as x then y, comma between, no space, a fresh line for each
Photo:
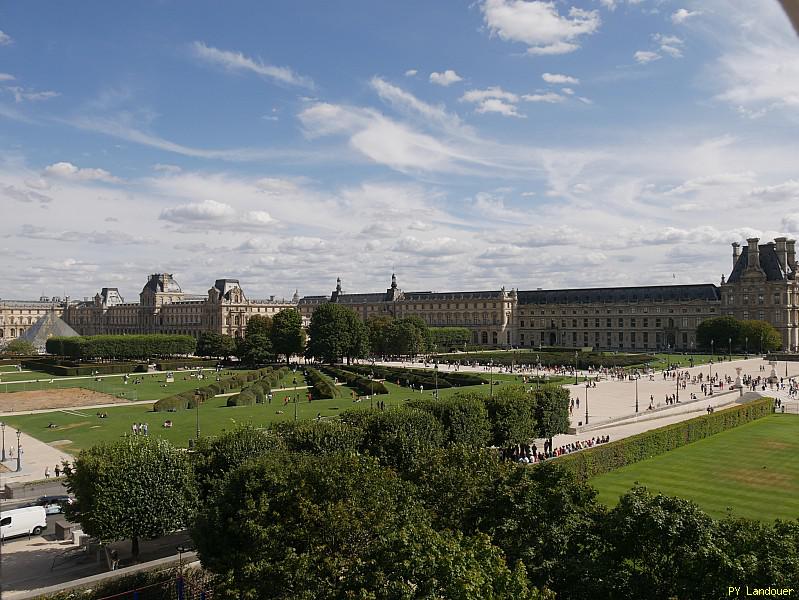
36,456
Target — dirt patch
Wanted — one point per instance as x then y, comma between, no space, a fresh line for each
64,398
762,478
774,445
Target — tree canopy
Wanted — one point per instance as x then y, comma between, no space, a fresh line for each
336,332
287,335
216,345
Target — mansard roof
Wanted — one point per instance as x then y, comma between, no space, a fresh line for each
769,263
421,296
657,293
361,298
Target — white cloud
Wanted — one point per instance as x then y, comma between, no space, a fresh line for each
27,196
549,97
22,94
786,191
445,78
106,238
66,170
559,78
167,168
609,4
495,105
6,77
236,61
682,15
411,72
437,247
210,213
5,39
644,56
713,181
491,92
669,44
567,91
539,25
403,100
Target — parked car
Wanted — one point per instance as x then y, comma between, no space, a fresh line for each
53,504
29,520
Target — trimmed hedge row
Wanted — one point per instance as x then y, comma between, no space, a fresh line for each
185,400
608,457
321,387
138,346
191,363
404,377
362,385
69,370
257,392
584,359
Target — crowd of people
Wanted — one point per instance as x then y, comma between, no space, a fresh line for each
531,454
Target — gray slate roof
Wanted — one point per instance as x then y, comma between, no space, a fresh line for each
768,262
663,293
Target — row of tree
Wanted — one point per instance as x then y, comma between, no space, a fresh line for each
121,347
408,504
719,333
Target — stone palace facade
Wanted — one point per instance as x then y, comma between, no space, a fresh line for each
762,285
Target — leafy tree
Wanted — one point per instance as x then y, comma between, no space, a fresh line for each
463,416
320,437
336,331
300,526
551,411
397,436
21,347
139,487
405,337
287,335
762,336
444,339
378,334
259,325
122,347
216,456
512,414
718,330
217,345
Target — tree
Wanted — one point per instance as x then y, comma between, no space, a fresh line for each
217,345
405,337
512,415
287,335
341,526
320,437
259,325
139,487
718,330
20,347
463,416
335,332
761,335
551,411
378,334
445,339
256,346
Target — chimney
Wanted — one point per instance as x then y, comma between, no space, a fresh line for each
736,253
790,246
782,253
753,254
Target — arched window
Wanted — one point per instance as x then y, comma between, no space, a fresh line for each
484,337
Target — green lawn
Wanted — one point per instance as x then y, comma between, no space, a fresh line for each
153,386
77,428
752,469
684,360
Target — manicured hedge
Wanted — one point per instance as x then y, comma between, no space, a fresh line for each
608,457
68,369
565,358
320,437
404,377
190,363
321,386
255,393
121,346
185,400
362,385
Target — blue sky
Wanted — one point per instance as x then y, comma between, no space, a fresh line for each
466,145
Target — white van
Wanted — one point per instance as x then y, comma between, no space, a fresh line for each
31,520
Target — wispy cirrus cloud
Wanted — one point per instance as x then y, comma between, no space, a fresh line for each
236,61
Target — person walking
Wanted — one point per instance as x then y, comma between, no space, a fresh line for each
57,471
47,472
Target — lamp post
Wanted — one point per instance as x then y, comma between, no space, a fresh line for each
729,342
586,402
197,411
3,427
575,367
668,356
491,375
372,390
678,385
710,364
537,366
296,402
435,372
294,385
19,452
636,395
747,346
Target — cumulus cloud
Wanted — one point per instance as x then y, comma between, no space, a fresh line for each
437,247
560,79
66,170
5,39
411,72
6,77
236,61
539,24
682,15
549,97
445,78
495,105
213,214
643,57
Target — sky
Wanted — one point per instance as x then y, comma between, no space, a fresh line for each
464,145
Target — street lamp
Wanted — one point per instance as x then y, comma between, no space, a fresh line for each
296,402
575,367
710,364
537,366
636,395
372,389
294,385
729,341
491,375
586,402
3,427
668,356
435,371
19,452
747,346
197,411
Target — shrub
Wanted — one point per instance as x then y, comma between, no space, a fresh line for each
362,385
465,419
321,386
608,457
72,369
320,437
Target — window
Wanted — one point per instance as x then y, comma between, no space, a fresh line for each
685,321
621,322
760,299
608,324
632,322
777,298
657,323
596,323
585,323
574,322
646,322
521,324
761,315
